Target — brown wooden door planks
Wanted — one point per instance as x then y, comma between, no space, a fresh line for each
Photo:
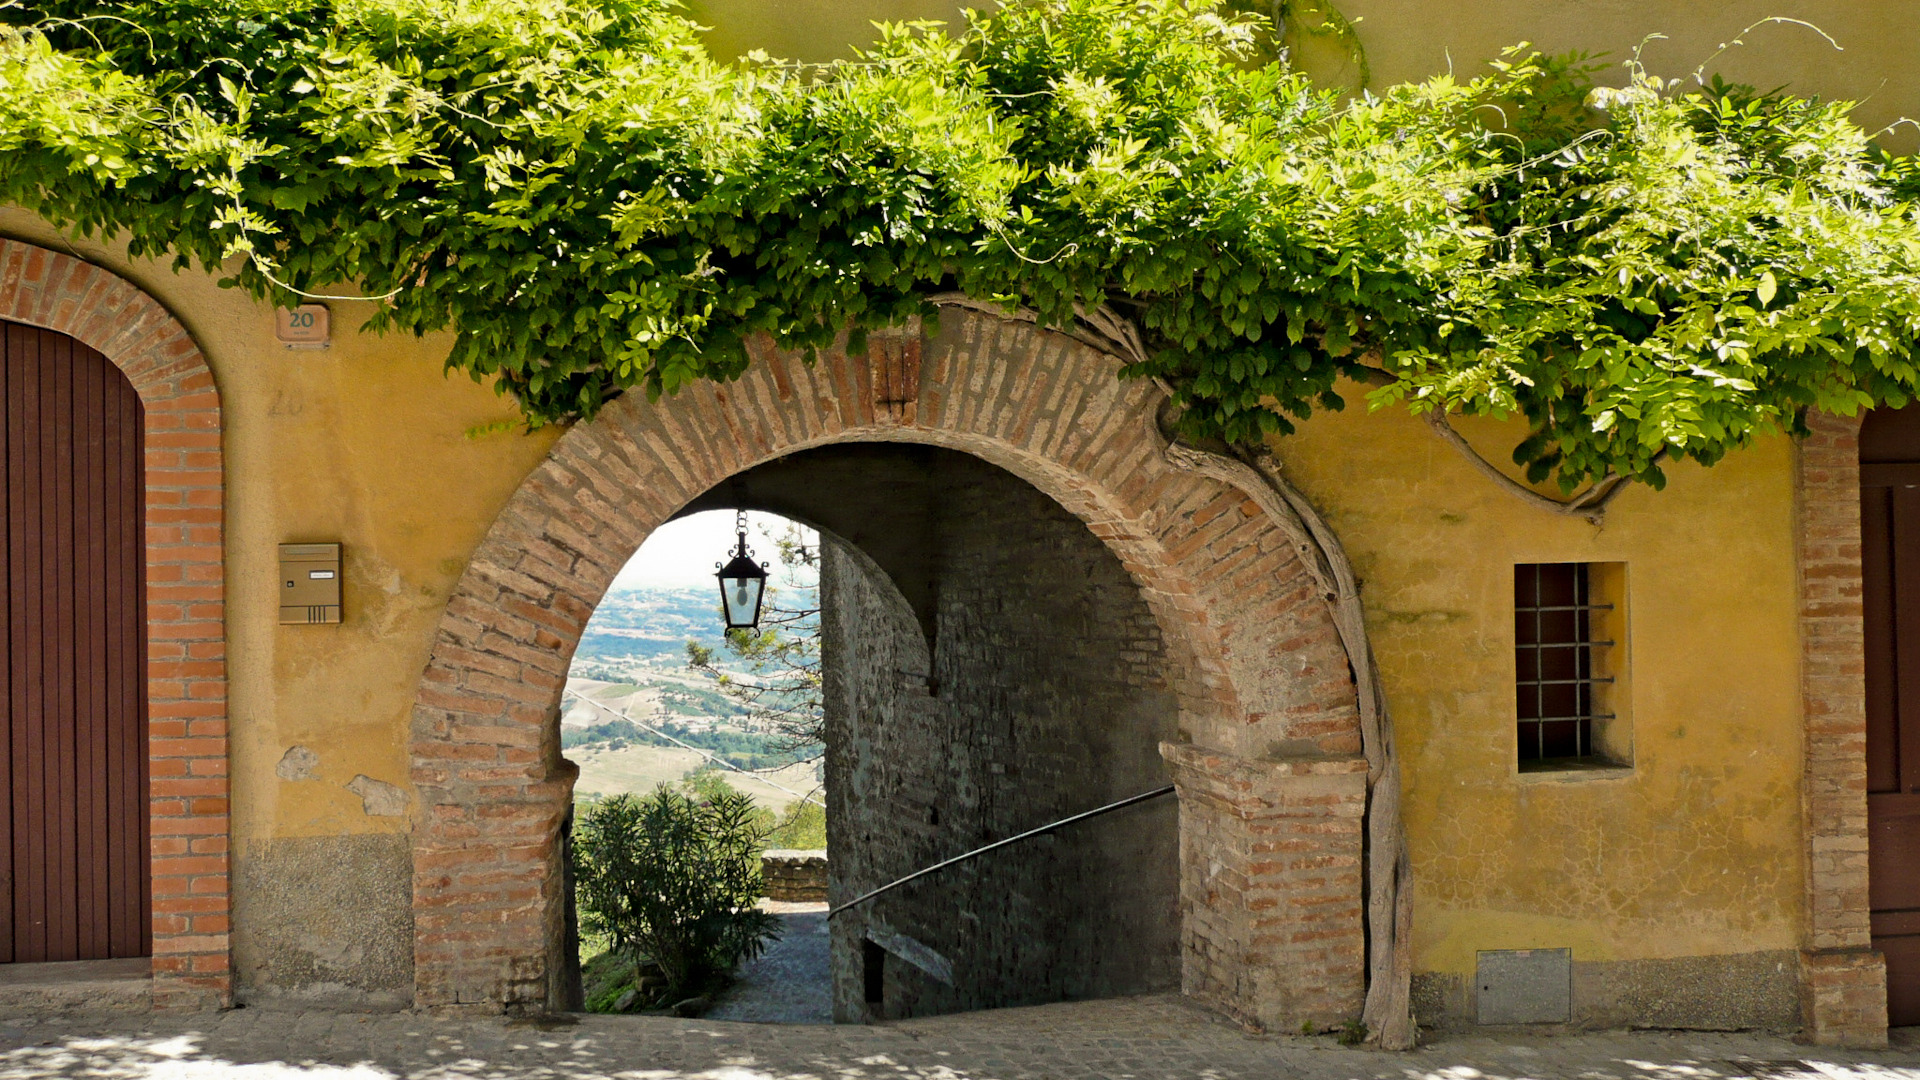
73,765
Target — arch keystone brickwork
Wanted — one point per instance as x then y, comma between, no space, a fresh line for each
1272,787
186,599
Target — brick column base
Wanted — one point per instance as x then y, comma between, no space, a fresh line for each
506,955
1270,886
1843,997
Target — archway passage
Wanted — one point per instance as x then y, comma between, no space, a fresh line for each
1266,741
73,826
989,667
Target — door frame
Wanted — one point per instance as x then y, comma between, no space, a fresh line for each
1843,980
185,501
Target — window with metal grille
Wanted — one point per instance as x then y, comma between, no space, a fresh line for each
1562,681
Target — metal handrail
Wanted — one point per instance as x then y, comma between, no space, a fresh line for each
976,852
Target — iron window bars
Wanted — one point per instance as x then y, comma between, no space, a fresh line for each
1554,660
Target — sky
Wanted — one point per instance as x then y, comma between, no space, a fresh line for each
683,554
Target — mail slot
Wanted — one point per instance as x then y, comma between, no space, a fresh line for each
309,583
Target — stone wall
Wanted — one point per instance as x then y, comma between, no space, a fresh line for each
1043,694
795,876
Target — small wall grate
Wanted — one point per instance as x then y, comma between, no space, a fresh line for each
1554,660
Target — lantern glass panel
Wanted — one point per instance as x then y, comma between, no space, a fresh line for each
741,598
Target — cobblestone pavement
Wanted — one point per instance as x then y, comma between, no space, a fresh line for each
790,983
1157,1038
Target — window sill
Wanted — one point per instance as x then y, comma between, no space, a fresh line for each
1567,770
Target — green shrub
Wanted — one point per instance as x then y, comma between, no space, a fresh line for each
673,879
802,828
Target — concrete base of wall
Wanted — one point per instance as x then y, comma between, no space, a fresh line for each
1739,992
93,985
325,921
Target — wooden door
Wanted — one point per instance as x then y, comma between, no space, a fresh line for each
73,820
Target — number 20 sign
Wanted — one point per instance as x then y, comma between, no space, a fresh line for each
304,327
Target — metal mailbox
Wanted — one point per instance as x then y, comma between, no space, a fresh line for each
309,583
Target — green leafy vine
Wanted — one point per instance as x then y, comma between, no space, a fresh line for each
1654,271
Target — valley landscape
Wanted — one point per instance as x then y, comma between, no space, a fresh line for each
633,696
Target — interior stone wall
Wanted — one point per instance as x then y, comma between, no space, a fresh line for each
1038,693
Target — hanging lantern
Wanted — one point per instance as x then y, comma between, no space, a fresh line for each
743,583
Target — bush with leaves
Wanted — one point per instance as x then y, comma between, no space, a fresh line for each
673,879
1657,271
801,827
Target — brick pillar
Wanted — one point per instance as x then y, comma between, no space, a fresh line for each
1270,886
489,916
1843,981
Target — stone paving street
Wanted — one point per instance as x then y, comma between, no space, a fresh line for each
790,983
1156,1038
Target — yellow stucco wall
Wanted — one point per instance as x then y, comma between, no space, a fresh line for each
1696,852
1412,39
1697,849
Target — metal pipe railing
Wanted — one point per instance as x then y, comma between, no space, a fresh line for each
979,851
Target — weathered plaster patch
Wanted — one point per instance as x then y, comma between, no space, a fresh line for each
1428,617
377,797
913,952
298,763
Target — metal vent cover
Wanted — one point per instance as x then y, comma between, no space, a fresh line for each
1525,986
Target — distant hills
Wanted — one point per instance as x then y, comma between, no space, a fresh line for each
649,623
632,660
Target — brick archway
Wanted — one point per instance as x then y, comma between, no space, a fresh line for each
1272,784
186,605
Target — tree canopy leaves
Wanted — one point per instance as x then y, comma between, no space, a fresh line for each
1657,271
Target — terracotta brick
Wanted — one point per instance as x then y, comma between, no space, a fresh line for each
1838,952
